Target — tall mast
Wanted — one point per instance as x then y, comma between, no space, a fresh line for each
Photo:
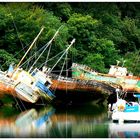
30,47
63,54
45,48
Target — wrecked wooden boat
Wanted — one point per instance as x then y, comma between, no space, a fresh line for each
70,84
26,86
33,84
117,75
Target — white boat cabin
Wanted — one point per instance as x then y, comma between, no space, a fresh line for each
22,76
118,71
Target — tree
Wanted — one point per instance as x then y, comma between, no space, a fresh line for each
132,62
95,61
107,49
6,59
82,28
109,31
21,22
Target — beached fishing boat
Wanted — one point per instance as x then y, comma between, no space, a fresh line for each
61,83
117,75
25,85
73,87
31,87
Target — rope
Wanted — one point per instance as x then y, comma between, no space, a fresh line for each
38,52
31,57
31,54
38,57
12,17
48,54
15,55
20,101
46,47
19,40
16,101
51,59
62,55
60,74
60,70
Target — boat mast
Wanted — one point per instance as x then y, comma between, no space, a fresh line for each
30,47
45,48
62,55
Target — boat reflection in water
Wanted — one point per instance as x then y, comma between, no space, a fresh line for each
125,130
29,123
54,123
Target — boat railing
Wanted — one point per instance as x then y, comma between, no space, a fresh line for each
2,72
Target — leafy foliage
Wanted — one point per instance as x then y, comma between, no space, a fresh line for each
133,62
104,32
95,61
6,59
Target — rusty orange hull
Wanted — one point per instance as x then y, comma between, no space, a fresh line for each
75,86
5,89
10,90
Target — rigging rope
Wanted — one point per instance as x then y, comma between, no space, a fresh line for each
62,55
46,47
16,101
33,56
12,17
48,54
19,40
51,58
60,74
15,54
38,58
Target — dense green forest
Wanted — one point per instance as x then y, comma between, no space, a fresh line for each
104,33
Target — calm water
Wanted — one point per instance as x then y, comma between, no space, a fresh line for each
74,122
